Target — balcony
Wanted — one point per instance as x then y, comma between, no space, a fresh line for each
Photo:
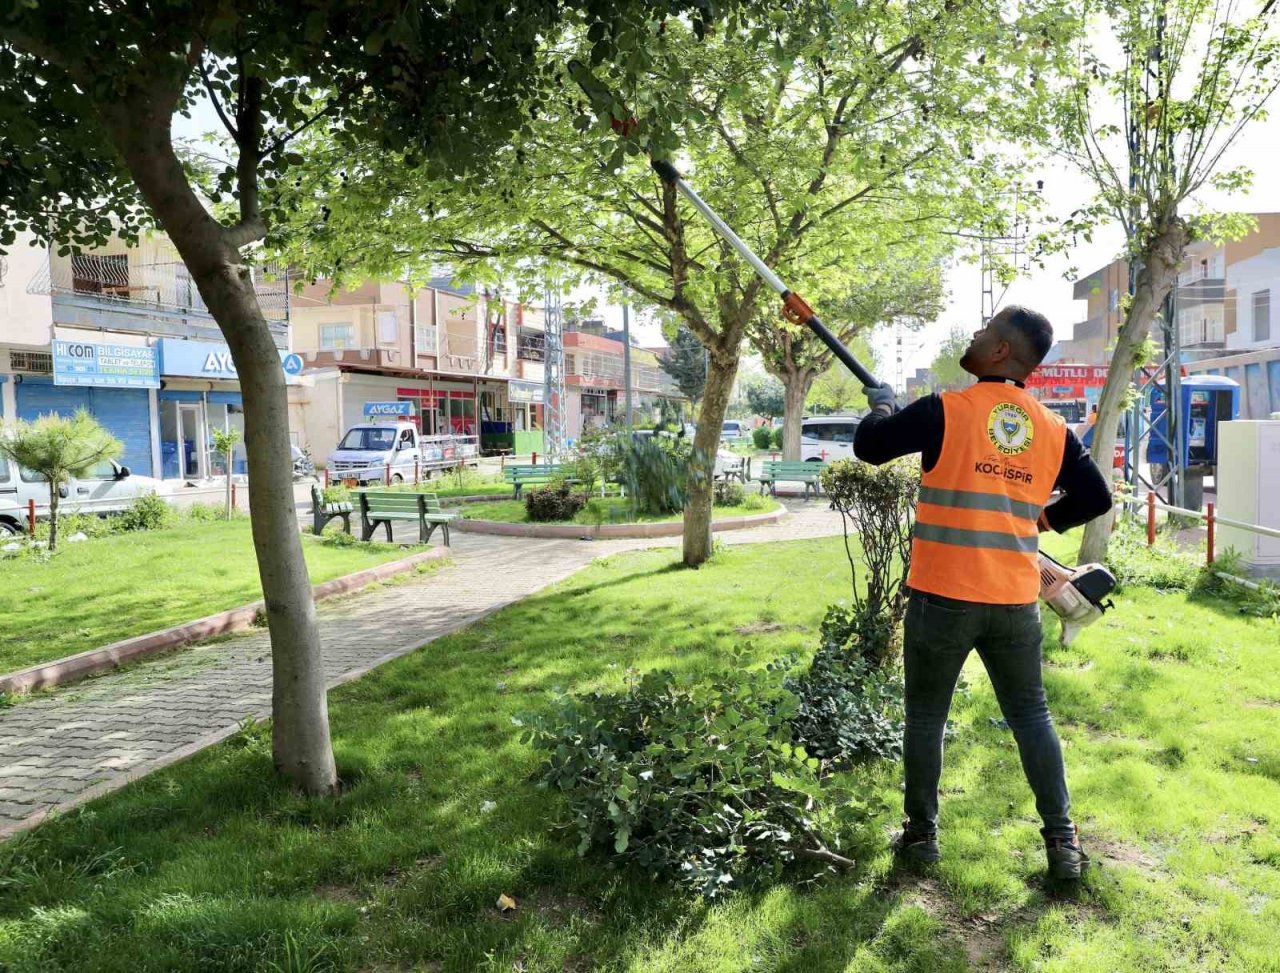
593,368
531,346
1197,293
362,357
126,292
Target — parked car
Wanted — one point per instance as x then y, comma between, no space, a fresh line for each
827,438
107,488
732,429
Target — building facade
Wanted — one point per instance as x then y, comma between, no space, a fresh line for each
123,332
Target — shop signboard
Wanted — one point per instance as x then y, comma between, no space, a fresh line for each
209,359
105,366
526,392
383,410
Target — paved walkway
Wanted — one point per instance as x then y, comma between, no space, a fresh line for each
94,737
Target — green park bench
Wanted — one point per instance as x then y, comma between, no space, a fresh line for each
520,474
322,513
384,506
792,471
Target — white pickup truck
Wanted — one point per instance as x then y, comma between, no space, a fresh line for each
375,452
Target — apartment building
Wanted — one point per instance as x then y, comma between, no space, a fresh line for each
470,364
1222,309
122,331
595,388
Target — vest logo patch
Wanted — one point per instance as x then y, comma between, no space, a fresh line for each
1010,429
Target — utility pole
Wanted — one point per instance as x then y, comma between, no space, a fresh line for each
626,358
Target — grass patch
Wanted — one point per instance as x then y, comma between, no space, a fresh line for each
1167,709
616,512
110,588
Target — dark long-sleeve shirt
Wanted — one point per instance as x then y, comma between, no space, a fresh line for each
918,428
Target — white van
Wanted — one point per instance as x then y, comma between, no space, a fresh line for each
108,488
732,430
827,438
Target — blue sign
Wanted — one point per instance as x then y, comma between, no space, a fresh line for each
378,409
105,366
209,359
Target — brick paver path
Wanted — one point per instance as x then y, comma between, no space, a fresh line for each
94,737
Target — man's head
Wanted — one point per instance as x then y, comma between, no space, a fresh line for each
1012,344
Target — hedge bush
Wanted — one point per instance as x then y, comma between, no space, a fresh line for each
776,438
147,512
728,493
552,503
761,436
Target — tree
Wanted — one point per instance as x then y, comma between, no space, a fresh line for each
58,448
899,276
796,126
686,362
765,397
439,84
945,367
224,442
1149,127
837,390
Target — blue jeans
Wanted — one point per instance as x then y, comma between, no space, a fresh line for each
939,632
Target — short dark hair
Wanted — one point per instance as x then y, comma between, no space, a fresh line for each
1033,331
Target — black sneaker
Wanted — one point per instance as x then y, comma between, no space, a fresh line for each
916,848
1067,860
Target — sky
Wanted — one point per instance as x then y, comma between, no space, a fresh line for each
1046,289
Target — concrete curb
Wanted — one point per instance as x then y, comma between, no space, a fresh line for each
73,667
609,531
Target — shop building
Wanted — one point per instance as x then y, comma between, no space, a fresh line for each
122,332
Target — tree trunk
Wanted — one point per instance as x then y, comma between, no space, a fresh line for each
140,128
228,462
1155,277
697,511
53,516
795,385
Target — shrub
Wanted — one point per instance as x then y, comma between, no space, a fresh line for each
553,502
655,470
1162,566
849,709
335,494
147,512
91,525
1260,602
729,493
762,436
585,468
204,511
696,782
776,438
877,505
754,501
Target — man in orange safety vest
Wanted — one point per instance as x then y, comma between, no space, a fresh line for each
991,457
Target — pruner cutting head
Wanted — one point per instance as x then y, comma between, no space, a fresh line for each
603,100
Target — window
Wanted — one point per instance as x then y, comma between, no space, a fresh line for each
336,337
387,330
1262,315
102,470
4,470
830,432
30,476
406,439
369,438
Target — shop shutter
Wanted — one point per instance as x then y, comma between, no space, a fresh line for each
125,412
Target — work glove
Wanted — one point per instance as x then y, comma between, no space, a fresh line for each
881,398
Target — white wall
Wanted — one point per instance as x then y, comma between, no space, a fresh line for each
1246,278
25,319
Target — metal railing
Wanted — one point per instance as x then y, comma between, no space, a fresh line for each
1209,516
531,347
162,285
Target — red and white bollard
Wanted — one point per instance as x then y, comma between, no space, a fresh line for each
326,477
417,471
31,518
535,459
1151,518
388,474
233,494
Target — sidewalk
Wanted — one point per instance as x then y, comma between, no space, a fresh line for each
94,737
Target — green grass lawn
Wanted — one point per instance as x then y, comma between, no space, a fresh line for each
110,588
1169,710
513,512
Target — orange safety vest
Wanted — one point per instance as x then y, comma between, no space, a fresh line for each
976,536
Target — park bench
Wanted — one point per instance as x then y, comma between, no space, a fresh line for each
793,471
322,513
520,474
384,506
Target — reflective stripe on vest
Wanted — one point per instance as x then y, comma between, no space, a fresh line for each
971,500
991,539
